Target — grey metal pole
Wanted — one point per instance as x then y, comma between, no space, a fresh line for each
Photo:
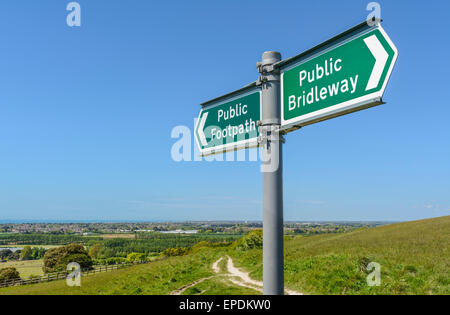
272,168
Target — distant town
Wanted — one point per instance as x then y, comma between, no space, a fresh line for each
180,228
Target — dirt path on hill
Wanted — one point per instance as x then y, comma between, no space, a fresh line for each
234,275
243,279
215,266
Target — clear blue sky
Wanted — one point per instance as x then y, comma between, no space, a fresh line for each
86,113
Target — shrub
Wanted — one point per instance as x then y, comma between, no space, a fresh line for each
9,273
26,253
201,244
115,261
96,251
99,261
57,259
204,244
5,253
37,253
135,257
253,240
83,260
169,252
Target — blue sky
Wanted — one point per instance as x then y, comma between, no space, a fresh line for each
86,113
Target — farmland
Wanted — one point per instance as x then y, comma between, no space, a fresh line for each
26,268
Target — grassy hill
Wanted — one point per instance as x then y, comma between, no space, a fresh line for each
157,278
414,259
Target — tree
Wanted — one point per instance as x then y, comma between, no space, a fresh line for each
38,253
175,252
135,257
83,260
252,240
15,255
10,273
26,253
57,259
95,251
5,254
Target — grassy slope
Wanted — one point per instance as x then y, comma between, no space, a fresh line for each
414,258
160,277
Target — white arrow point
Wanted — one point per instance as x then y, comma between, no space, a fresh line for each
381,57
201,127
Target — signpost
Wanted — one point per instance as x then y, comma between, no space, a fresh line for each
342,75
347,76
229,122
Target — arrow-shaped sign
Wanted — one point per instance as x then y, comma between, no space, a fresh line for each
229,122
345,75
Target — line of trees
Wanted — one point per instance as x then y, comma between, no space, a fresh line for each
47,239
7,254
26,253
154,243
32,253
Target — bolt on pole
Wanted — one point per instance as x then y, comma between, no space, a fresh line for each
272,168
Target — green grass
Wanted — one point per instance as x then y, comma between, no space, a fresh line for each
414,259
159,277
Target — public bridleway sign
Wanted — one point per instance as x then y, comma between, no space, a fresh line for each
347,76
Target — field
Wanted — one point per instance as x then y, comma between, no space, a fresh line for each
26,268
414,259
117,245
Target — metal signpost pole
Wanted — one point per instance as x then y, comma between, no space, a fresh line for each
272,168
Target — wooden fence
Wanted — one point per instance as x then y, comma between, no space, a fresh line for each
63,275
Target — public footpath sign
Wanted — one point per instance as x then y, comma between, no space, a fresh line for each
344,77
229,122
